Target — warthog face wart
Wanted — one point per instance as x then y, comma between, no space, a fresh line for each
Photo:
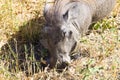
66,21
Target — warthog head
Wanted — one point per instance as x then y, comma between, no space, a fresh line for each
62,29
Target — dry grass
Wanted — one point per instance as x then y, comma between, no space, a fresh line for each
20,24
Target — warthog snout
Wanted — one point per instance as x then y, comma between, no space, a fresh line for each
63,60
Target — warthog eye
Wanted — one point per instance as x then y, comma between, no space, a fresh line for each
70,33
67,34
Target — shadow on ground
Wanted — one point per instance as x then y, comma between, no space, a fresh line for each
24,51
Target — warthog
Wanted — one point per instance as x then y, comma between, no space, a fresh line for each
66,21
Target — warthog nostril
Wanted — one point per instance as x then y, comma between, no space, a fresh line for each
65,64
62,65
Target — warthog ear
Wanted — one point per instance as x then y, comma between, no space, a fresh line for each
71,13
65,16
